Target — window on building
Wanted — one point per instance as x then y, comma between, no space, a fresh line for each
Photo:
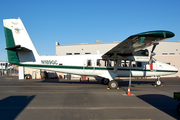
68,53
164,53
87,53
171,53
76,53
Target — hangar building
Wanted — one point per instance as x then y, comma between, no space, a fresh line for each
166,51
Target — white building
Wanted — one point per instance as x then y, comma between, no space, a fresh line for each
167,51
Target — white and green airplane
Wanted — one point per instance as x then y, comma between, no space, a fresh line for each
128,58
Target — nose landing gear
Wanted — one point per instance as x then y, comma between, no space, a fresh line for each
158,82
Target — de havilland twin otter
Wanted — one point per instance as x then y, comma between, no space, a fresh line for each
128,58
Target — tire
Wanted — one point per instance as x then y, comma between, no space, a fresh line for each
105,81
178,109
113,84
158,82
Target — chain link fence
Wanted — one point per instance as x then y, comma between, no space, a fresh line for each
12,72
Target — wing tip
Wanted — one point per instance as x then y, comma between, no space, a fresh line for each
156,33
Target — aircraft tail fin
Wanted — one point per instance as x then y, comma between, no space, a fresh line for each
19,45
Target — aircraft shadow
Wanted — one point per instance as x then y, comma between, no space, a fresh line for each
162,102
70,81
12,106
121,83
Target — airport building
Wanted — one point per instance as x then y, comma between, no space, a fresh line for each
166,51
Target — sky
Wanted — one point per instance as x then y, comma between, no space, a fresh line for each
85,21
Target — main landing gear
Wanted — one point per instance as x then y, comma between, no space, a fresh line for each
105,81
158,82
111,84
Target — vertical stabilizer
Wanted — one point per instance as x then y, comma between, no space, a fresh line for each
19,45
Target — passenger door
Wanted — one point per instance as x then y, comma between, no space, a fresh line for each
89,66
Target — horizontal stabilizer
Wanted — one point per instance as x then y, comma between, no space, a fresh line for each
18,48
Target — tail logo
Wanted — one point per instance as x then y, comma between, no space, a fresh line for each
17,30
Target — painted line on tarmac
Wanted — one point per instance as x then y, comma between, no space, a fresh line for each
120,119
54,86
81,108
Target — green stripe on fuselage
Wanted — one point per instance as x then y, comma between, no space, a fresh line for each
88,68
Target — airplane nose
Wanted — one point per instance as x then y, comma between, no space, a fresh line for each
175,69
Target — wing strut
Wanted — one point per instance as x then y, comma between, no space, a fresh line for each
117,64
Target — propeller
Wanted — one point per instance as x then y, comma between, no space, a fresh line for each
152,54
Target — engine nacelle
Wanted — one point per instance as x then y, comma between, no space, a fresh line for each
140,56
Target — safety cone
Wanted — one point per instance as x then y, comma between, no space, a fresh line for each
128,93
40,78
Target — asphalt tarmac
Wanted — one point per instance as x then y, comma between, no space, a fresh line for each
55,99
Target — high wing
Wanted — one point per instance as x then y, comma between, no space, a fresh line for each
137,42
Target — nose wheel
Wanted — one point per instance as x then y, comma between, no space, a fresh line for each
158,82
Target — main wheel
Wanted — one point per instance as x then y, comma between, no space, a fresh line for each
158,82
105,81
178,109
113,84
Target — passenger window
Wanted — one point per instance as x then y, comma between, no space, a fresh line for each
101,62
124,63
139,64
111,63
133,64
98,62
89,63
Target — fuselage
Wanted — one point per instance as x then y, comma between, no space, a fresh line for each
95,65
